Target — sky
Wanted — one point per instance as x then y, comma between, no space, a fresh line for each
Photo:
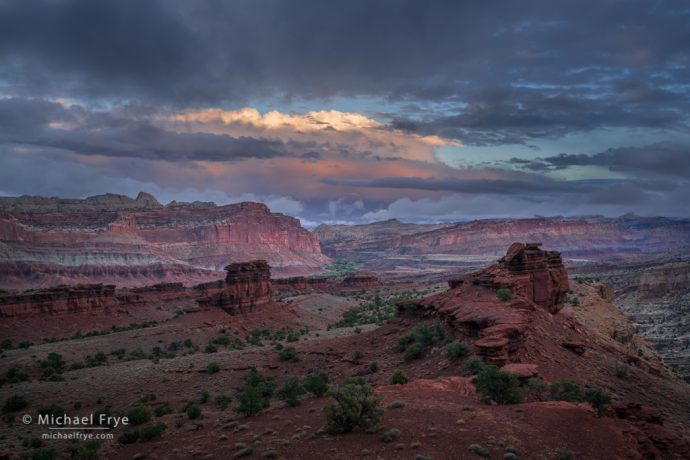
349,112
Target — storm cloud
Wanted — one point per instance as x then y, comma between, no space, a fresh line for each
353,110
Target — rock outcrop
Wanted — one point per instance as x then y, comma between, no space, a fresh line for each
494,306
247,285
57,300
360,280
118,240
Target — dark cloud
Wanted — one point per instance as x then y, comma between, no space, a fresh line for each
661,159
609,190
127,134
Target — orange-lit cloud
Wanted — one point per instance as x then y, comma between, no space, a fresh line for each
337,133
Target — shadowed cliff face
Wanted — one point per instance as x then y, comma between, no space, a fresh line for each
50,241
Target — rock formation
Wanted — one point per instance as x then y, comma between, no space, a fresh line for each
361,279
247,285
132,242
530,278
591,237
62,299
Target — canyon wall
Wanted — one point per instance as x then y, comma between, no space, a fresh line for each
584,237
128,242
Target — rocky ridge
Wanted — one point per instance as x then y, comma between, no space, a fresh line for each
119,240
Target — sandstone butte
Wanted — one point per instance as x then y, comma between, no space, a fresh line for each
114,239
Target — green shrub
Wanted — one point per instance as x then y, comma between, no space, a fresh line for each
565,390
405,340
14,375
138,415
212,368
414,351
193,411
504,294
163,409
474,364
356,406
357,355
597,399
264,384
15,403
502,387
456,350
291,391
251,402
210,348
223,401
316,383
398,378
373,367
129,437
204,395
288,354
149,432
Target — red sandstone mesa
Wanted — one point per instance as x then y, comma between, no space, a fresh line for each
128,242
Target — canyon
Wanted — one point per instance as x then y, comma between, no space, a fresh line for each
517,313
115,239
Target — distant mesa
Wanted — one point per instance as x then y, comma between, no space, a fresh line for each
115,239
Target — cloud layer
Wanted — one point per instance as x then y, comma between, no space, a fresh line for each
352,110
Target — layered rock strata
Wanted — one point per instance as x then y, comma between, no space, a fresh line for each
493,306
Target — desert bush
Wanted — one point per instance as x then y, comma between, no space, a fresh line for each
565,390
398,378
357,355
356,406
414,351
251,402
15,403
14,375
316,383
373,367
138,415
163,409
597,399
213,367
291,391
210,348
456,350
502,387
474,364
223,401
504,294
288,354
193,411
149,432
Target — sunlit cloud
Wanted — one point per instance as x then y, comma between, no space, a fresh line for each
336,133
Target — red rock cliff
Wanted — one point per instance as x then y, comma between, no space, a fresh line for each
247,285
536,280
